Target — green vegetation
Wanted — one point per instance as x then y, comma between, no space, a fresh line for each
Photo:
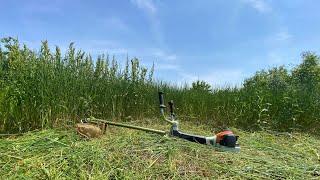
43,89
40,90
130,154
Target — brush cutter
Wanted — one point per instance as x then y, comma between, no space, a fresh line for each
225,140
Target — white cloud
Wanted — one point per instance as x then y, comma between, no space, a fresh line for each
260,5
161,66
279,58
50,7
101,46
275,58
150,8
162,55
146,5
163,60
114,23
217,78
278,38
282,36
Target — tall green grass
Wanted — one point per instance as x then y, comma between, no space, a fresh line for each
44,88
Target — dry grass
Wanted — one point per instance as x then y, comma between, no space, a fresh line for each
130,154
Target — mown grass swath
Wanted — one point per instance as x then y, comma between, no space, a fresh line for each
129,154
41,89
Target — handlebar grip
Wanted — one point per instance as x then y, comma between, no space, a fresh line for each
171,107
161,98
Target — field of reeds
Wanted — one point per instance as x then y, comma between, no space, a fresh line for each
40,89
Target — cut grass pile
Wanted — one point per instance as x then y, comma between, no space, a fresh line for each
129,154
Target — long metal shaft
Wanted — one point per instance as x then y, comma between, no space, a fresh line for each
127,126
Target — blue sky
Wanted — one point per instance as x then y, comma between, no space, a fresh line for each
219,41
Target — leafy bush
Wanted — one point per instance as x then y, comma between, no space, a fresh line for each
288,99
